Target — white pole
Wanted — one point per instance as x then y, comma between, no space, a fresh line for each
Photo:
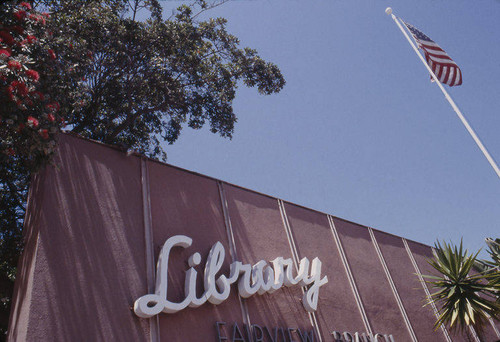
448,97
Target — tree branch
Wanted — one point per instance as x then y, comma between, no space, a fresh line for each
214,5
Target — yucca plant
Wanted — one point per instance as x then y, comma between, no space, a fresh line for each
493,271
494,252
463,297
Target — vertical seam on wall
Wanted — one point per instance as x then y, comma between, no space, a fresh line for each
474,334
34,229
227,222
392,285
295,255
426,289
350,277
232,247
154,326
25,331
494,326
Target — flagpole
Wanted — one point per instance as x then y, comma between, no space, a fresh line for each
448,97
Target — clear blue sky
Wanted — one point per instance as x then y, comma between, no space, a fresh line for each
359,131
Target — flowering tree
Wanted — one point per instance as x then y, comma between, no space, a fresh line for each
29,114
93,66
29,118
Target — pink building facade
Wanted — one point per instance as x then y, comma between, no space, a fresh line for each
97,222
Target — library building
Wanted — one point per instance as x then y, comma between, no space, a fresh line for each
119,247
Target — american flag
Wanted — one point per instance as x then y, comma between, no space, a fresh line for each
445,69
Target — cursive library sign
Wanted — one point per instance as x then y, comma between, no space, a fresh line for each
257,279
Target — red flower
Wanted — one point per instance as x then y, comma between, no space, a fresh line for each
38,95
32,74
25,5
52,54
20,15
38,18
10,152
10,92
20,128
20,87
44,133
4,53
30,38
54,106
18,29
51,117
14,65
6,37
32,122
